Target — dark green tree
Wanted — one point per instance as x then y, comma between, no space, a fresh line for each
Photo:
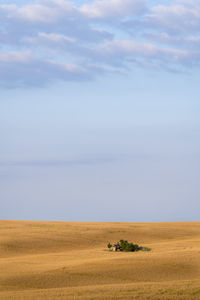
109,245
128,247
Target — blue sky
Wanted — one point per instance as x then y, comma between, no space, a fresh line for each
99,110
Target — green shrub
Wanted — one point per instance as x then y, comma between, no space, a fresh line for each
109,245
145,249
128,247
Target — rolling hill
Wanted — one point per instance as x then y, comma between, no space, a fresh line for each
70,260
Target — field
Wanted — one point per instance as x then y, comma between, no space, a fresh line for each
70,260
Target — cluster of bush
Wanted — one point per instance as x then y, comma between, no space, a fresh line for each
129,247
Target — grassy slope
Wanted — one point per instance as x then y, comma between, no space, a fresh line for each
66,260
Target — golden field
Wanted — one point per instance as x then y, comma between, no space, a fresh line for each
70,260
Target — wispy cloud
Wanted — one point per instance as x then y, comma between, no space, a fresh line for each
113,8
57,163
48,40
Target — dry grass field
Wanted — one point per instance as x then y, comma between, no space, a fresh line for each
69,260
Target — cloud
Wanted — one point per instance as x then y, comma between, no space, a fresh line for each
175,18
23,68
45,12
49,40
58,163
113,8
144,54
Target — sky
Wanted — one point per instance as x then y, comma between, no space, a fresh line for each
99,110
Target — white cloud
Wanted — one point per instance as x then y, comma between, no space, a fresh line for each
112,8
49,40
128,49
37,13
15,57
47,12
177,18
23,68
